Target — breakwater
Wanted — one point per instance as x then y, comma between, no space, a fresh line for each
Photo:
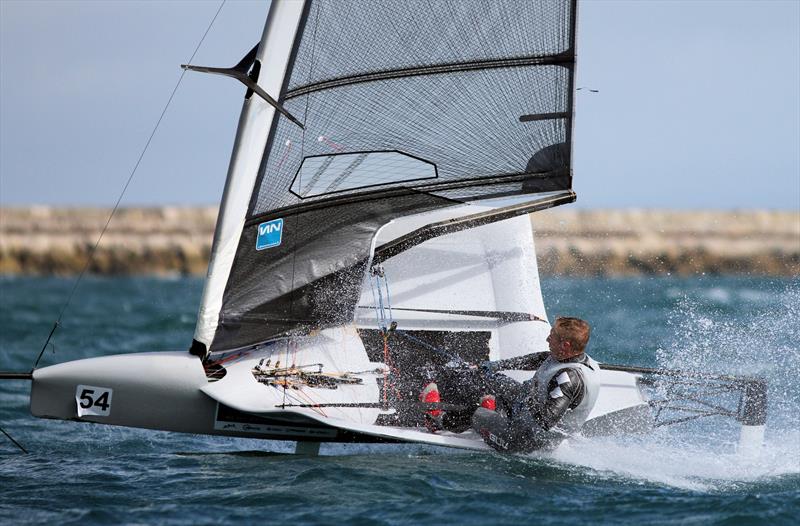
629,242
167,240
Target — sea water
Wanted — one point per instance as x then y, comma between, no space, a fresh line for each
683,474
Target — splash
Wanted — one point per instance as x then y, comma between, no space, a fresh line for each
720,330
756,339
668,458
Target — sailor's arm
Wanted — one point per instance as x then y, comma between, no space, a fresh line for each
565,391
529,362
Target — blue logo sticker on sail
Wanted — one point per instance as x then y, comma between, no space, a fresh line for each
269,234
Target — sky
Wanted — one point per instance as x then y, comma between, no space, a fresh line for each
698,104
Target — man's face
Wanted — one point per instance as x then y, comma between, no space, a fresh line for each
559,349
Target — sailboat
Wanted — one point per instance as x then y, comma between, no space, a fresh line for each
374,234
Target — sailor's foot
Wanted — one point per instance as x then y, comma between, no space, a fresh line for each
433,415
489,402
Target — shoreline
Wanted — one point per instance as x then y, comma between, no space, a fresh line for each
41,240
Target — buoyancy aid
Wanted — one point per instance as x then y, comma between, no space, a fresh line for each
588,369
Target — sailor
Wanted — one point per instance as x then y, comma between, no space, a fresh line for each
541,412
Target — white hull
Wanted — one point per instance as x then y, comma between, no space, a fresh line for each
170,391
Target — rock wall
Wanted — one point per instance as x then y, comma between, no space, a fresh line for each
44,240
625,242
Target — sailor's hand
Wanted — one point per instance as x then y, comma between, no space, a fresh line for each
462,365
458,364
487,367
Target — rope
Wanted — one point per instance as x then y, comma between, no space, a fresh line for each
381,310
232,358
387,361
13,441
316,405
286,380
390,368
92,252
386,325
452,357
375,302
388,296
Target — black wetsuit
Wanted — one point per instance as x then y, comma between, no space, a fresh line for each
523,423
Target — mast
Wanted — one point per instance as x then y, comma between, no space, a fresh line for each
273,58
363,116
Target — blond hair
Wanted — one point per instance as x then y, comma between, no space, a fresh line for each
575,331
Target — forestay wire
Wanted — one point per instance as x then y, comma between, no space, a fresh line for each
91,254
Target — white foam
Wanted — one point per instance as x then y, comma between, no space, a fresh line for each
667,459
702,455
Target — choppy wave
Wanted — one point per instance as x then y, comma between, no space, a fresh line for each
90,474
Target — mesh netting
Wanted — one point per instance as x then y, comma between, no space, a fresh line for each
354,37
329,174
466,123
408,106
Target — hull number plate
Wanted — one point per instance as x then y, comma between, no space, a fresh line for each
93,400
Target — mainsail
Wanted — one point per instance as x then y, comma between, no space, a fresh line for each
405,107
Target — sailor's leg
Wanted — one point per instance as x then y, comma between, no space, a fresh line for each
513,435
527,435
493,427
507,390
462,384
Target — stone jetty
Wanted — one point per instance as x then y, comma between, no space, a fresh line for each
39,240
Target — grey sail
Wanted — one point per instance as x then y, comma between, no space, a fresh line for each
406,107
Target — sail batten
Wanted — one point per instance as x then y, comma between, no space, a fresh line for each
562,59
535,183
408,107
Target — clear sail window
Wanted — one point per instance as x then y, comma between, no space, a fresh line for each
327,174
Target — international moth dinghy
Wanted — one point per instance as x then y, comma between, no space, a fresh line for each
374,234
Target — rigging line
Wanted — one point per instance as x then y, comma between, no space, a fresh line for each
382,315
295,399
456,359
380,302
382,329
233,358
299,396
303,395
388,296
13,441
375,301
47,342
92,252
285,380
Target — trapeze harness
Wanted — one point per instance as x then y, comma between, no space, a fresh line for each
548,408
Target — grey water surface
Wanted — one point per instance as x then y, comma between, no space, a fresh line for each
686,474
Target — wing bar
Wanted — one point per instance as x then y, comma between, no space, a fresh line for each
240,73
